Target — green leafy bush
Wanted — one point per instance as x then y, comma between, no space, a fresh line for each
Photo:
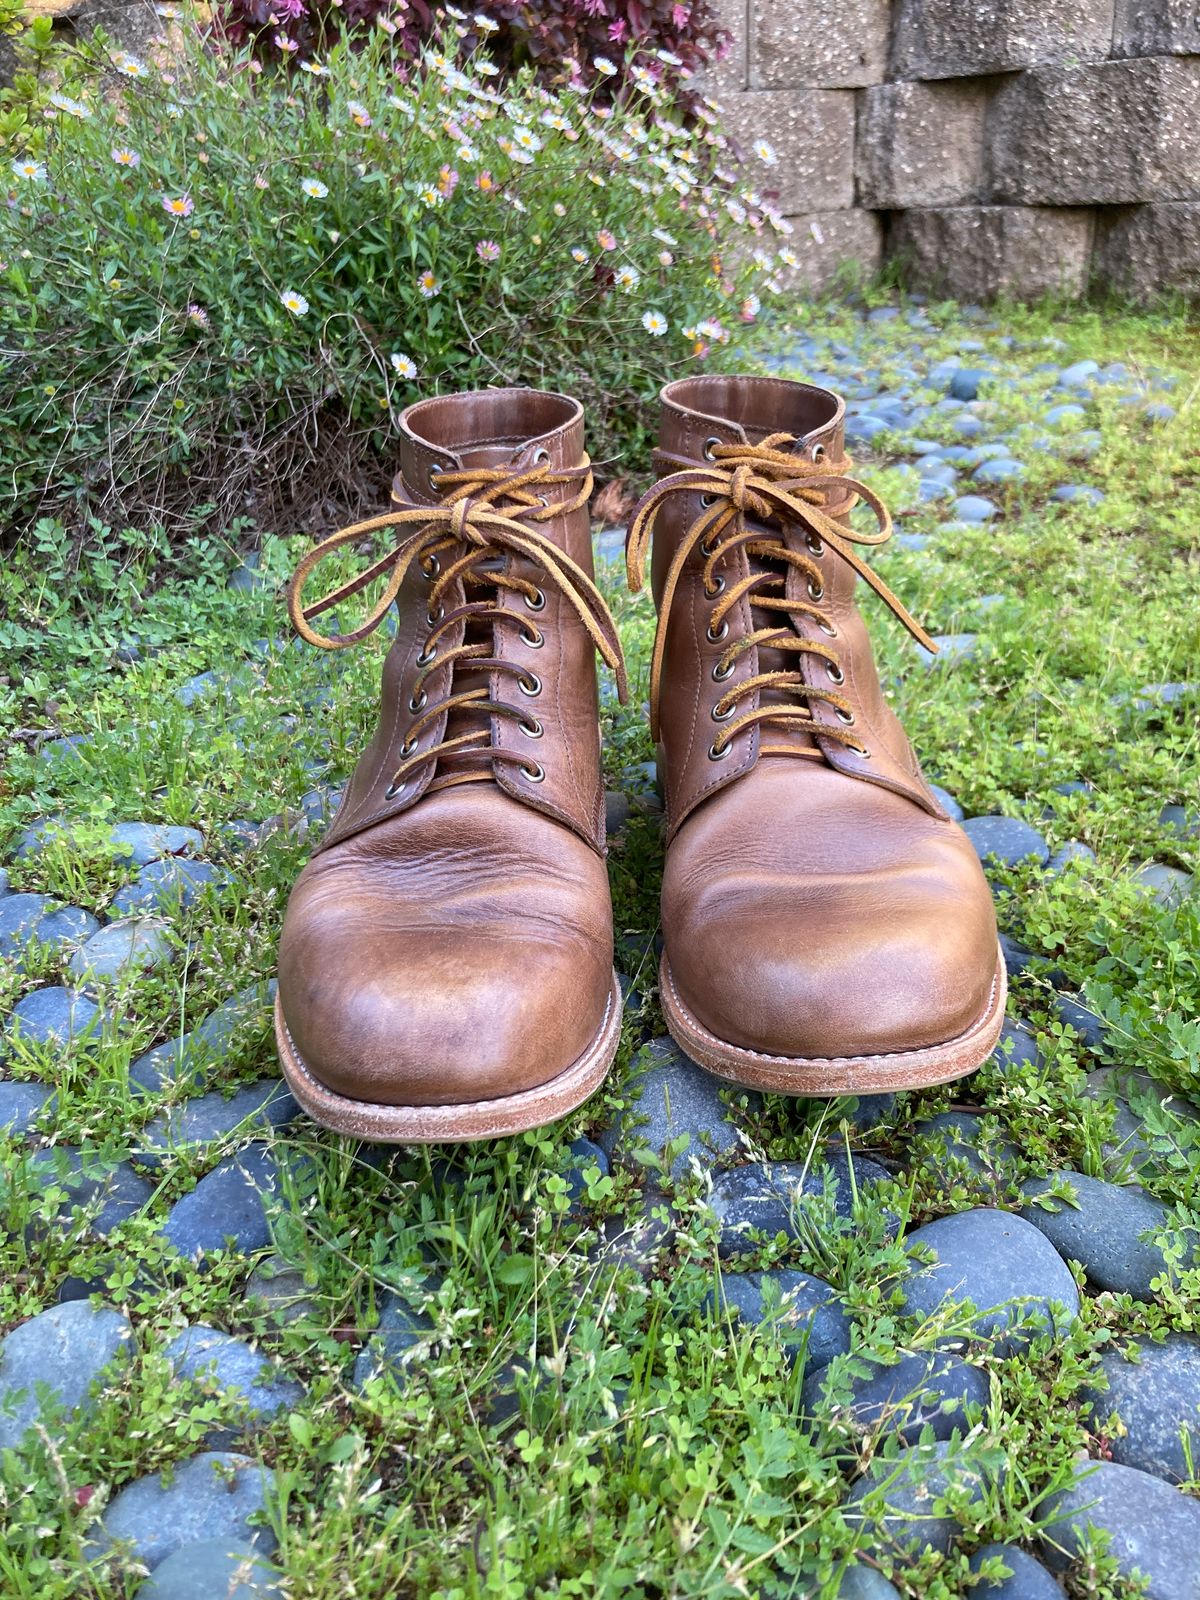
218,286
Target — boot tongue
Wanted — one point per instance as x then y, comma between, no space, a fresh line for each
479,630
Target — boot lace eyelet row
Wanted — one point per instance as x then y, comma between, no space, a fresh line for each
485,524
770,484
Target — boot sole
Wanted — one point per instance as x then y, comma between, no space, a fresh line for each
469,1121
817,1075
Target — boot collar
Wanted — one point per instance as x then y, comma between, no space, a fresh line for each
488,427
740,409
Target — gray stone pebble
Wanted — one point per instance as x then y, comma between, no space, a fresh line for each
403,1324
961,1137
1078,494
1016,1048
214,1569
1007,840
1154,1390
896,1502
135,944
974,508
923,1389
25,917
767,1197
165,885
1068,854
1075,1014
1027,1580
279,1289
865,1583
220,1362
143,842
951,649
21,1104
54,1016
228,1207
186,1061
804,1309
1180,821
214,1495
67,1348
671,1097
1168,885
1102,1231
110,1191
1003,1267
262,1105
1152,1529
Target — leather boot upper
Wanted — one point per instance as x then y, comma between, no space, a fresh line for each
817,899
451,938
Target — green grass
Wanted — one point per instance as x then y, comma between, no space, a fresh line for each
662,1449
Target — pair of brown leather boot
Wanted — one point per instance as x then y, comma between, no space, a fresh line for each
445,970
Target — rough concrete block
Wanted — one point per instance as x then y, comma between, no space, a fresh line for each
921,144
827,242
962,38
812,133
979,252
846,49
1113,134
1141,250
731,74
1156,27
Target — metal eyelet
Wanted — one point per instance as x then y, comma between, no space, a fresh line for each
538,603
430,566
722,716
417,702
861,750
706,548
434,617
815,545
818,452
718,584
426,656
715,638
436,468
707,500
530,684
834,672
844,716
540,454
392,790
827,627
720,673
532,729
816,591
708,447
535,771
407,748
532,638
718,751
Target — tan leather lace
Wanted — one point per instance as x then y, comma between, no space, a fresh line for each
768,483
487,513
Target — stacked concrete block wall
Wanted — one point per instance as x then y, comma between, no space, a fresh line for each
992,146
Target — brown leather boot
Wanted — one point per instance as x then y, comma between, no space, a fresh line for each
828,929
445,968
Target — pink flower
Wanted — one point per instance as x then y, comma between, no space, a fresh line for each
198,315
181,205
680,16
606,240
617,30
447,181
487,250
